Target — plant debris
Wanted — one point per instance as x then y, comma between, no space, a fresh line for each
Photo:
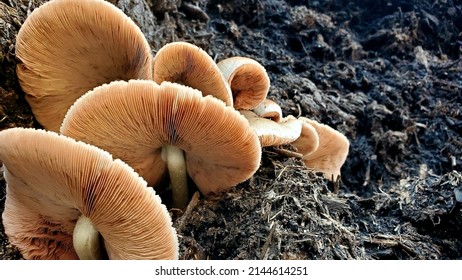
387,74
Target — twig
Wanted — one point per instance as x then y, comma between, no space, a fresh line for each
275,215
265,250
299,114
182,220
195,11
29,8
368,174
288,153
280,173
336,185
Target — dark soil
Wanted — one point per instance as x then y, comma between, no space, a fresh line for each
387,74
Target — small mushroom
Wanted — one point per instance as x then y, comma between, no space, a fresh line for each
248,80
187,64
64,196
331,152
68,47
171,126
272,133
268,109
308,142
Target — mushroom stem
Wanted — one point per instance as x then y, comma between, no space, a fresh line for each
178,178
86,240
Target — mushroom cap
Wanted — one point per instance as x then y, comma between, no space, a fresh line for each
308,142
68,47
187,64
273,133
331,152
134,120
53,179
248,80
268,109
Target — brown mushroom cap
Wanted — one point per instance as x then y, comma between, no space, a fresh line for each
134,120
67,47
331,152
273,133
53,179
187,64
248,80
268,109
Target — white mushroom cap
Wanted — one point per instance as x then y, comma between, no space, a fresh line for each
273,133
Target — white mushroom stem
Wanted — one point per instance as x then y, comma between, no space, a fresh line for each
176,165
86,240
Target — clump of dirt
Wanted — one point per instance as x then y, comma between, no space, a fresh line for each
283,212
387,74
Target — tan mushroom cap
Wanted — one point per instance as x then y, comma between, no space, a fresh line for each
53,179
331,152
248,80
268,109
134,120
273,133
308,142
187,64
67,47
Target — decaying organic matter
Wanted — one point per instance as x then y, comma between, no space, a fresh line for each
386,74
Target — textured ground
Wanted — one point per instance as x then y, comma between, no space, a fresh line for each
387,74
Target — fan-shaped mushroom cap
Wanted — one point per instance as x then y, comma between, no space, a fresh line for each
134,120
53,179
248,80
68,47
187,64
273,133
268,109
331,152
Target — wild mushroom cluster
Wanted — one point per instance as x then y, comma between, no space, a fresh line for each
118,120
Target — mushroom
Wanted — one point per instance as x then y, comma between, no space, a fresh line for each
272,133
331,152
67,47
268,109
63,196
171,126
308,142
248,80
187,64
